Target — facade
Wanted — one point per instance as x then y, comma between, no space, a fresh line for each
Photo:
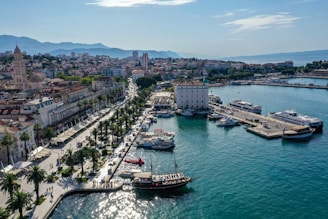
17,150
191,95
137,74
145,61
19,74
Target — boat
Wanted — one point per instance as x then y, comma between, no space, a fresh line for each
188,112
160,182
227,122
157,143
164,114
301,134
138,161
246,106
157,132
214,116
129,173
293,117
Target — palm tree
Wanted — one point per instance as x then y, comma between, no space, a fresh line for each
25,137
4,213
8,183
70,159
37,176
19,200
7,141
95,134
100,127
80,155
94,153
37,129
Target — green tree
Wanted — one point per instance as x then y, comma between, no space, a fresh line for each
4,213
19,200
37,129
81,155
9,184
7,141
25,137
95,134
49,133
37,176
70,159
94,154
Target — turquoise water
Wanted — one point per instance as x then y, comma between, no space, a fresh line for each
238,174
307,81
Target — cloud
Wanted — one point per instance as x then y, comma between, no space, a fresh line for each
136,3
228,14
263,22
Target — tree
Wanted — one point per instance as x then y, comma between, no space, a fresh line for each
94,153
37,129
49,133
4,213
37,176
95,134
25,137
7,141
8,183
19,200
70,159
80,155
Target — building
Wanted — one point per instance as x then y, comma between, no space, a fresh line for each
191,95
145,61
137,74
135,55
19,74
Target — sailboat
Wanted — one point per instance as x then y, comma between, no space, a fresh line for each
150,181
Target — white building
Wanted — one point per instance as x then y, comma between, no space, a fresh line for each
137,74
191,95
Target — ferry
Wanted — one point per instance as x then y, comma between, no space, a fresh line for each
246,106
293,117
301,134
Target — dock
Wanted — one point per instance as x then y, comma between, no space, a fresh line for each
260,125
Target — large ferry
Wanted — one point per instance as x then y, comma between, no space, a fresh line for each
292,116
246,106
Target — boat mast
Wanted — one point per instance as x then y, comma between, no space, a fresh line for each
175,164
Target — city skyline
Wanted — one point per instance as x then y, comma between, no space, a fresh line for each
209,29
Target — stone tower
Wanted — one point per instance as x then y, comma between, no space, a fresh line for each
19,76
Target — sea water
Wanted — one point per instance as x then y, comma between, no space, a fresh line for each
237,174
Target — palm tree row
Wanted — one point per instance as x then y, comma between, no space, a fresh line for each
20,199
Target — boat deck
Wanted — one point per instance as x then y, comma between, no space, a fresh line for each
263,126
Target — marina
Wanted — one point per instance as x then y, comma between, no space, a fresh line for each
266,174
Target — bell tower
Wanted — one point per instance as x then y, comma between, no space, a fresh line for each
19,76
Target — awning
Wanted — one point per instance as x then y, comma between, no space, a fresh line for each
39,152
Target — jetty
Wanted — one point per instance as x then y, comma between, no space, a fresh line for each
261,125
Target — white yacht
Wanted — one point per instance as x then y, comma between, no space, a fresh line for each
246,106
292,116
227,122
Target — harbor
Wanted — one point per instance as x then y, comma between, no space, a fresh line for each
261,125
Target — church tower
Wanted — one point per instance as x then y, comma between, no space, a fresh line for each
19,76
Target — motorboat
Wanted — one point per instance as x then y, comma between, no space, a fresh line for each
227,122
138,161
129,173
214,116
188,112
157,143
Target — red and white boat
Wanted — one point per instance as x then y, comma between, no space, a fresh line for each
138,161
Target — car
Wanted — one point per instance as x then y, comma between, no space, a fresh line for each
101,146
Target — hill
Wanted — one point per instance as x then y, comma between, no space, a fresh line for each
32,47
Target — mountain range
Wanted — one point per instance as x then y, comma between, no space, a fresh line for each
33,47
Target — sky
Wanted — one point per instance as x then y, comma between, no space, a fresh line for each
197,28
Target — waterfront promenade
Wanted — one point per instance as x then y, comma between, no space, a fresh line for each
54,192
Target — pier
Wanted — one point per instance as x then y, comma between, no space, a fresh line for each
263,126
